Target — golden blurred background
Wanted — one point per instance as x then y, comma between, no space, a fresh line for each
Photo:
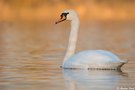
42,10
32,46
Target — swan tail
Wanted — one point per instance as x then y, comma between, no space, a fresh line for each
122,63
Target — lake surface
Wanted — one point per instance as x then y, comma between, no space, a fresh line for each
31,55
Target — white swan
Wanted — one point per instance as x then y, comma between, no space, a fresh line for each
90,59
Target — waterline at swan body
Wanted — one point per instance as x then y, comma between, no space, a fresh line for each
99,59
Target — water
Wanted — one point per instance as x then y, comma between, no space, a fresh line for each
31,55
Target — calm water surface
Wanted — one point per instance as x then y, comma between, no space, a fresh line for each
31,54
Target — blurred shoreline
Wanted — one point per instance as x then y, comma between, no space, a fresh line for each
45,10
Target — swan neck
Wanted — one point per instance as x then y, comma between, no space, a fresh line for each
72,38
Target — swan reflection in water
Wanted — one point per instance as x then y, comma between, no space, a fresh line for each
94,79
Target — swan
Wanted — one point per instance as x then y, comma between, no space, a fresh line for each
89,59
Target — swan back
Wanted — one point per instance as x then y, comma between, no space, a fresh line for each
95,56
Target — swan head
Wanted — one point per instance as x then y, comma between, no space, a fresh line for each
67,15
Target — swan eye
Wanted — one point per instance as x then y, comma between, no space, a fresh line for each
63,17
64,14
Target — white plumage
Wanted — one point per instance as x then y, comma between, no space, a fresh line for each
92,59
